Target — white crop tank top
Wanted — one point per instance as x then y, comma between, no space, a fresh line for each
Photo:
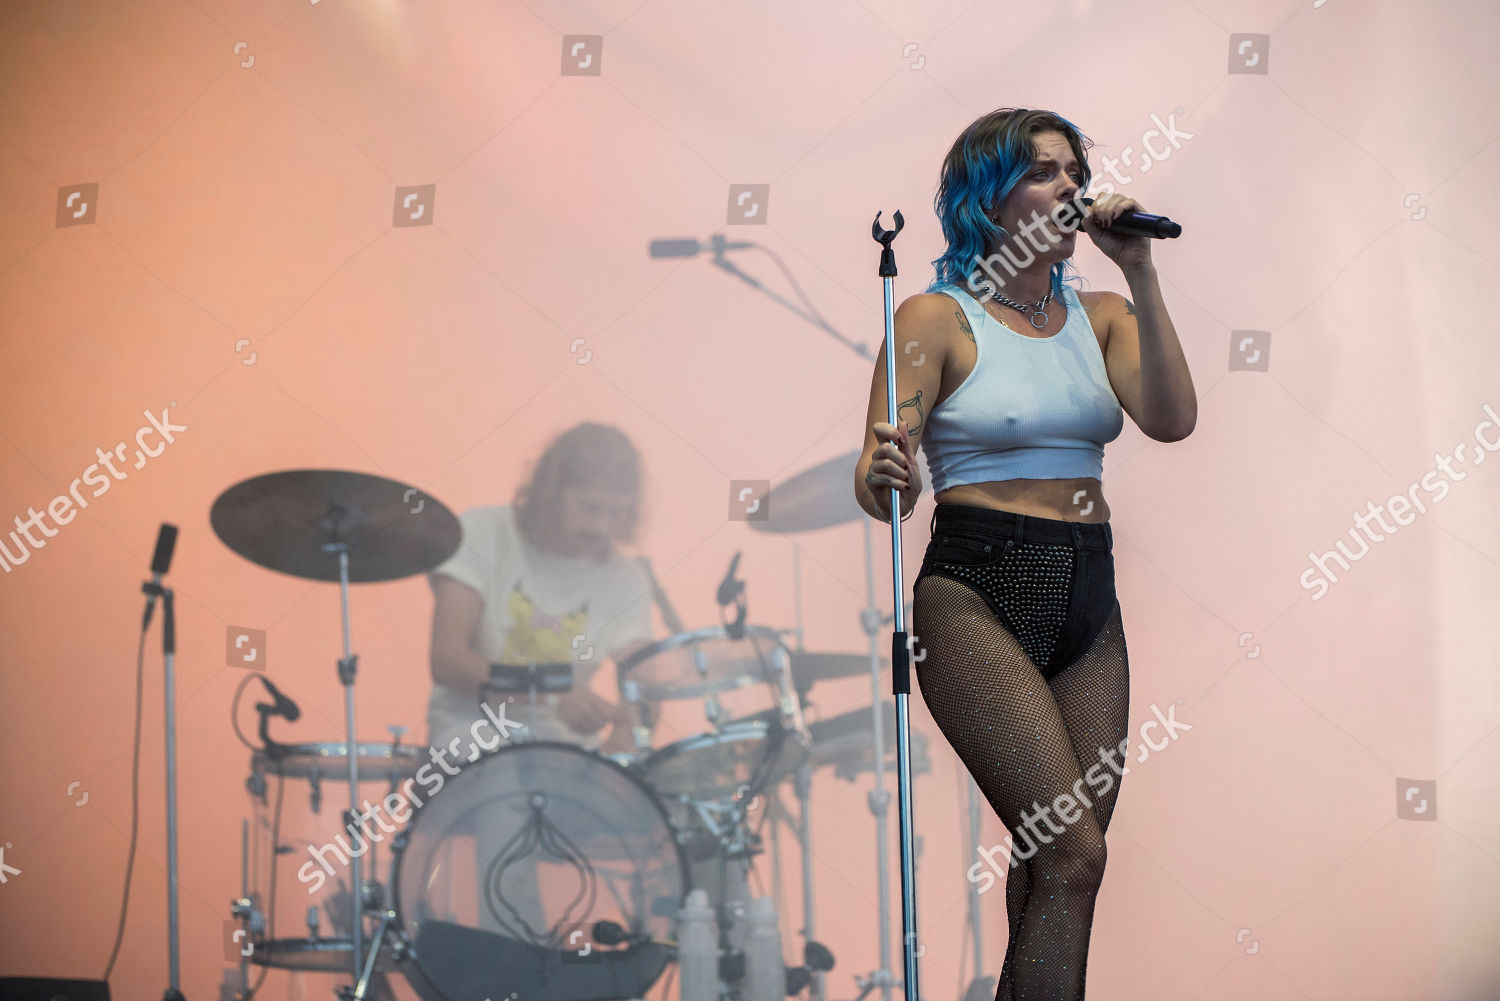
1033,408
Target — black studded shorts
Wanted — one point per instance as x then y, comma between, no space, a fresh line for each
1050,582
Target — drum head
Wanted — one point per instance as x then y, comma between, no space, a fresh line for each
703,662
743,757
325,955
329,761
503,871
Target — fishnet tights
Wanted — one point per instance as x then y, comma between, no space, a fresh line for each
1027,740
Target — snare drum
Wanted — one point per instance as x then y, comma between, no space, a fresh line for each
316,955
328,761
754,734
293,830
741,757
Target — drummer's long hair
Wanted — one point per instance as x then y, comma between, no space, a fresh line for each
588,455
986,162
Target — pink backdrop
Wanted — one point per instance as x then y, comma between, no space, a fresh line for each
238,259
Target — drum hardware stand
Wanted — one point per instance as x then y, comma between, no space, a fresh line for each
797,629
738,842
630,689
243,908
791,699
366,976
348,666
713,710
733,839
640,731
273,749
804,839
816,960
397,732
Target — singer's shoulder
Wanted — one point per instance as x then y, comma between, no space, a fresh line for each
922,302
928,315
1102,307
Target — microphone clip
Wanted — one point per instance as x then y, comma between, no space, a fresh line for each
152,590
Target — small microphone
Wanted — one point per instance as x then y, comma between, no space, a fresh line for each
612,933
732,591
166,542
284,707
1128,223
692,248
609,933
675,248
730,588
161,561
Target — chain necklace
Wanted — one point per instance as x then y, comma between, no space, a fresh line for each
1035,313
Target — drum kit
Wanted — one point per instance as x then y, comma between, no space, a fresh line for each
539,870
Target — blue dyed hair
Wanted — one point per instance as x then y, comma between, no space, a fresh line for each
986,162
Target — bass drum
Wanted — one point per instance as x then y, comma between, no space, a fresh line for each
501,874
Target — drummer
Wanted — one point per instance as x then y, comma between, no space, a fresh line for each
540,581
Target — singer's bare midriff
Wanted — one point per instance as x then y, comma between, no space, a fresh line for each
1080,499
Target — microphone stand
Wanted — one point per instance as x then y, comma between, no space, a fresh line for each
169,694
721,261
718,245
900,649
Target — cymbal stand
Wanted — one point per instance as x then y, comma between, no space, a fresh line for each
348,666
243,908
804,838
797,629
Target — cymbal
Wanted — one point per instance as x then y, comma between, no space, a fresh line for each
810,667
287,521
820,497
847,741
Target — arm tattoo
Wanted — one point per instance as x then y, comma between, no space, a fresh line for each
913,420
963,324
1129,307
